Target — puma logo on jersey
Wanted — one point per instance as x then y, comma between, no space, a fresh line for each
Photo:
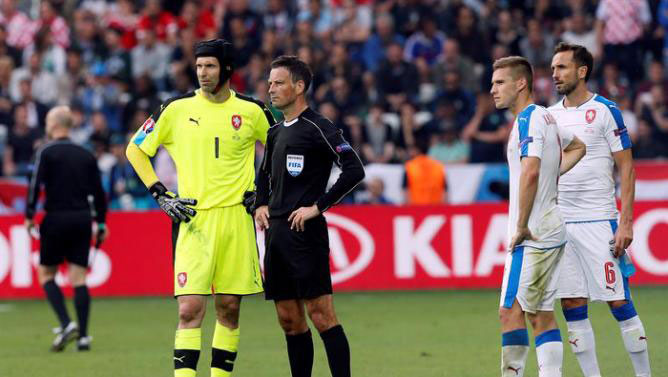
517,371
179,359
611,288
574,342
196,121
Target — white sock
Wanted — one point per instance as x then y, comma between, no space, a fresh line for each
550,353
583,345
513,359
514,351
635,341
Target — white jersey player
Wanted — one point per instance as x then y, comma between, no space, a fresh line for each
536,228
595,266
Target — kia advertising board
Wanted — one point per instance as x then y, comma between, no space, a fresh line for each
372,248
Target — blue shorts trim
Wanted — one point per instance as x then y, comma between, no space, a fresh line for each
514,277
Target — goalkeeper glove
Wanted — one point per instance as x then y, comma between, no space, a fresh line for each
171,204
249,201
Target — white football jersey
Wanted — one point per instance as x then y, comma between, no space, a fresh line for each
587,192
535,134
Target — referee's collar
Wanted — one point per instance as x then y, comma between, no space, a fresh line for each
306,111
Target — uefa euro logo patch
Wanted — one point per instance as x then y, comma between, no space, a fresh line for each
148,125
343,148
294,163
236,121
526,141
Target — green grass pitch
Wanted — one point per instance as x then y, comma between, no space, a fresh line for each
408,334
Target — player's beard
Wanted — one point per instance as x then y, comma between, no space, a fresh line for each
567,88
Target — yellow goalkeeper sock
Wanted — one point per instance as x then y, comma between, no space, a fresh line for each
187,344
224,350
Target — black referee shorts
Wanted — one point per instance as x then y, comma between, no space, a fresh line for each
65,236
296,264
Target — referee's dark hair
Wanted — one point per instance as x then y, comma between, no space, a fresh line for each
581,56
299,71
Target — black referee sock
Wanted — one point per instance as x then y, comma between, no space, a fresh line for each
338,351
82,305
57,301
300,353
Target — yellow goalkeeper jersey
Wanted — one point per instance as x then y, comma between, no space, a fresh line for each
212,144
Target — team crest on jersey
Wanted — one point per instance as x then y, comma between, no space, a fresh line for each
236,121
182,278
590,115
148,126
295,164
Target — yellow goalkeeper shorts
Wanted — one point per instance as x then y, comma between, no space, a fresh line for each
217,251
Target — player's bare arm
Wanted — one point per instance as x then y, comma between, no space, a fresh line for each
627,175
573,153
527,194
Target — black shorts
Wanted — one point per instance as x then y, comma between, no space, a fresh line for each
296,264
64,236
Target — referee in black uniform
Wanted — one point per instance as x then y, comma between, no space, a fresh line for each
71,179
290,201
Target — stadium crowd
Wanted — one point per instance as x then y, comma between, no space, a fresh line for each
400,77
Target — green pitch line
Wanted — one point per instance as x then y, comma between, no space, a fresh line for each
417,334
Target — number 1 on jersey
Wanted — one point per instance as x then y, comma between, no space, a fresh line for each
217,146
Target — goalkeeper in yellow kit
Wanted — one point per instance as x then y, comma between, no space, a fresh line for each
210,134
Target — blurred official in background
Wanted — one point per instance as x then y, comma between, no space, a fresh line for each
71,178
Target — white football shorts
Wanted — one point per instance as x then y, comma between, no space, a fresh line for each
589,270
530,276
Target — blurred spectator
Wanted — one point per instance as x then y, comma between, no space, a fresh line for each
507,33
6,69
377,138
250,19
352,23
199,19
87,37
160,22
397,79
374,195
448,148
453,60
122,17
374,48
151,57
103,94
117,60
100,135
277,18
54,57
72,82
580,33
50,20
612,84
319,16
183,56
35,111
8,50
655,76
243,45
80,131
21,144
472,42
462,100
20,28
44,84
425,44
424,181
498,51
620,27
629,117
487,132
340,95
655,114
537,46
143,101
406,14
126,190
645,145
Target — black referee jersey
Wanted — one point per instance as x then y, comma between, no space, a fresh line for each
69,174
297,164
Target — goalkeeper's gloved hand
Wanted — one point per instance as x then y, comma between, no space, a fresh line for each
249,201
173,206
